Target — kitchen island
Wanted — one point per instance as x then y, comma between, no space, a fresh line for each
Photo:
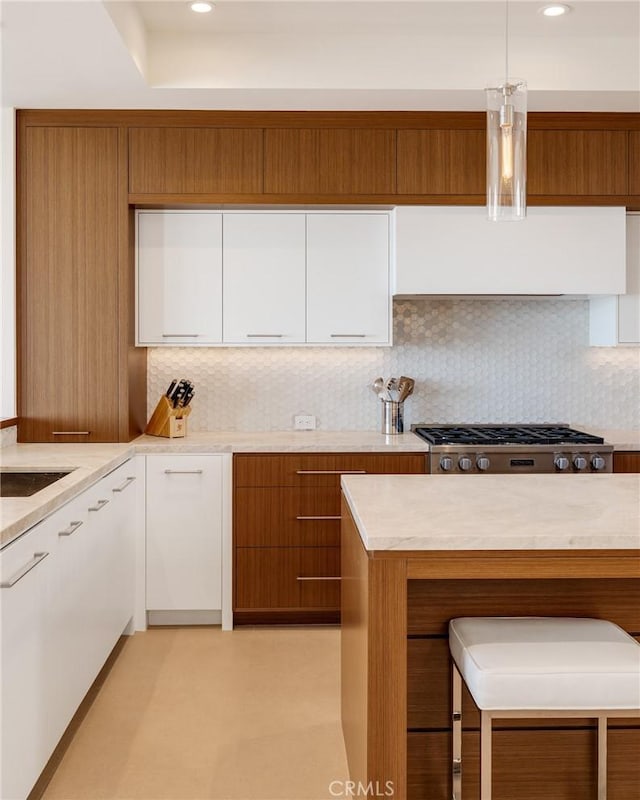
419,550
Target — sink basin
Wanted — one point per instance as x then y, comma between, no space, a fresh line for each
24,484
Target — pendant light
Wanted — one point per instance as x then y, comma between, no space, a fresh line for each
507,144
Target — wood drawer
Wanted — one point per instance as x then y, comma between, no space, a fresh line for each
431,604
429,694
319,469
287,517
626,462
269,578
531,765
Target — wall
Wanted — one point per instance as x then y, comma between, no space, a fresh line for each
7,258
8,436
480,360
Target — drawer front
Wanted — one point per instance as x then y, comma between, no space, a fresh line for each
431,604
530,765
319,469
287,577
287,517
626,462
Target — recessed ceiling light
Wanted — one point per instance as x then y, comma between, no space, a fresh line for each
201,8
555,10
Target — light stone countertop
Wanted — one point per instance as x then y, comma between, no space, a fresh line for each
284,442
495,512
622,440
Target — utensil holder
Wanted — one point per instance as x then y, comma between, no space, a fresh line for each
168,421
392,417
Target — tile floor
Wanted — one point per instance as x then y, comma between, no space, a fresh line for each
197,714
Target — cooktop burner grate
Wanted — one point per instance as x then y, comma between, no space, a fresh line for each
504,434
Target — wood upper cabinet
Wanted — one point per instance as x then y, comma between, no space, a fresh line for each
195,160
441,162
72,319
634,162
330,161
574,162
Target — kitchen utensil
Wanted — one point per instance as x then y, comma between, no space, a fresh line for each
378,385
405,386
392,417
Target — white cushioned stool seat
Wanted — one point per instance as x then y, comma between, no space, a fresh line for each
546,663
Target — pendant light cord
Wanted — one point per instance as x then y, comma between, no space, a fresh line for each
506,42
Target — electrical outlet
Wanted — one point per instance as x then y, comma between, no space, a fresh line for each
304,422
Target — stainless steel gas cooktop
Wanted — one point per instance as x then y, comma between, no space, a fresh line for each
514,448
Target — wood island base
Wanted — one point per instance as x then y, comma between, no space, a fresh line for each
396,697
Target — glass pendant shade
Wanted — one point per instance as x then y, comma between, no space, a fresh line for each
507,151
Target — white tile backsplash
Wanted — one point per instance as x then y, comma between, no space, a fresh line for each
474,360
8,436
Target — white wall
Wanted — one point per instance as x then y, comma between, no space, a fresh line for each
483,360
7,254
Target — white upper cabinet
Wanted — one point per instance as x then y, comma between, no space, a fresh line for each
348,298
559,250
616,320
264,278
179,277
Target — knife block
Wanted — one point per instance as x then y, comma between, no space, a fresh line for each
168,421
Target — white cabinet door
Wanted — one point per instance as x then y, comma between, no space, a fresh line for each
615,320
456,250
348,298
26,569
184,533
629,303
179,277
264,278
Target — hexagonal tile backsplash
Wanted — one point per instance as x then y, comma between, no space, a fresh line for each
473,360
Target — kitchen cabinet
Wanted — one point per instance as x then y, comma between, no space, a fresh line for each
186,516
286,524
554,251
183,160
626,462
348,298
615,320
577,162
330,161
61,618
80,380
179,277
634,162
26,685
264,278
441,162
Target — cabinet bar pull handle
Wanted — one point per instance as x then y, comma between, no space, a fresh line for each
70,433
37,558
127,482
183,472
180,335
348,335
73,526
331,472
320,578
306,518
99,505
265,335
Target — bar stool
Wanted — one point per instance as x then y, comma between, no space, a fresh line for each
524,667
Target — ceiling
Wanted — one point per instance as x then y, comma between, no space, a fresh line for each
316,54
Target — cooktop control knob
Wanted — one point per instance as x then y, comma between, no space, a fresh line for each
598,462
482,462
465,463
579,462
446,463
561,463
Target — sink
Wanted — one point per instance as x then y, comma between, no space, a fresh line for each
24,484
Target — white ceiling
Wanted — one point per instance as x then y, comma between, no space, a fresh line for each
314,54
